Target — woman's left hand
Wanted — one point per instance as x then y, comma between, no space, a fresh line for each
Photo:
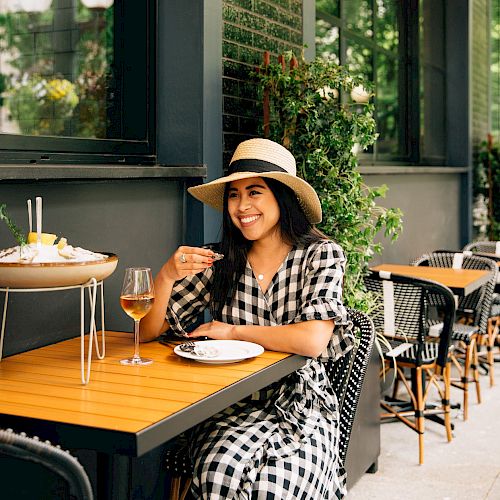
215,330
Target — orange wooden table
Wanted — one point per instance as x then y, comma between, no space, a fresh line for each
124,410
460,281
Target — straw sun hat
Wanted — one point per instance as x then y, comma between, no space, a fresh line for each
266,159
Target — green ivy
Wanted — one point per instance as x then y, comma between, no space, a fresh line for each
313,115
487,183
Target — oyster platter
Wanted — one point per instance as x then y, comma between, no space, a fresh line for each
39,261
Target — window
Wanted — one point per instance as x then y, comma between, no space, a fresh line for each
380,39
75,80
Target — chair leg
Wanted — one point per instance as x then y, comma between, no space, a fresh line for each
446,399
465,379
395,388
475,370
175,486
492,334
185,490
419,415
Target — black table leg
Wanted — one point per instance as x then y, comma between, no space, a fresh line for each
113,476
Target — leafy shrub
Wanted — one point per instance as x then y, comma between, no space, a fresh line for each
322,114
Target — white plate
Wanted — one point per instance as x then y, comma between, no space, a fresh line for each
16,275
229,351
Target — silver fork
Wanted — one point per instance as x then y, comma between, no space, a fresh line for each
187,346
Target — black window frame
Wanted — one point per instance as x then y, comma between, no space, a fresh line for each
25,149
409,86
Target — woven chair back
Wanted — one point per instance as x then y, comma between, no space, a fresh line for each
348,373
41,459
477,303
417,303
490,247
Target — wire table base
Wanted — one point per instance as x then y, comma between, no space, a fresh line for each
92,285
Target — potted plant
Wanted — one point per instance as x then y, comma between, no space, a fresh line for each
322,113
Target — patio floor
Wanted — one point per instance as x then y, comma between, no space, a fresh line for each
467,468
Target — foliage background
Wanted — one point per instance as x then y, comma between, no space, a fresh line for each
313,115
486,211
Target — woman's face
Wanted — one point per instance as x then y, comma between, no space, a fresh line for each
253,208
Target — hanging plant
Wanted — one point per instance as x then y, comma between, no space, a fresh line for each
323,114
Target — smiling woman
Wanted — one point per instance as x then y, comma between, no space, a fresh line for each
279,286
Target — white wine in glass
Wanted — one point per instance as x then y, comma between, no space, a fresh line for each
136,299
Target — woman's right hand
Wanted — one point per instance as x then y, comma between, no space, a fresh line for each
186,261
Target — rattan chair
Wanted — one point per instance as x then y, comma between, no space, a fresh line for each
404,314
30,468
473,312
491,250
346,375
489,247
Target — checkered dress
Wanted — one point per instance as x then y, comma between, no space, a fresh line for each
282,441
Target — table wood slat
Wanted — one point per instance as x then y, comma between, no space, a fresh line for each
102,371
146,399
153,388
68,355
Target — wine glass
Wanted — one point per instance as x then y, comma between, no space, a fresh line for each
136,299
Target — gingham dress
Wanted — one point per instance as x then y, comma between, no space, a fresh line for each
281,442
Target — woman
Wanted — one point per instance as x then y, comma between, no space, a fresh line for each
279,285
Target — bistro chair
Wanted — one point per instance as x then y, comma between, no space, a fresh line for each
472,312
405,316
30,468
490,250
346,375
489,247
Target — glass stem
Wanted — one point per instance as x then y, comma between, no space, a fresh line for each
136,339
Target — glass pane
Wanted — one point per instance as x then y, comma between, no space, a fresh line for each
327,40
433,133
56,66
359,59
386,106
331,7
386,24
358,16
432,81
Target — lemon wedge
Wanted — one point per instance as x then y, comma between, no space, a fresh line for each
62,243
47,238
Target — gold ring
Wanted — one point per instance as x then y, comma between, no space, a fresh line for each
182,258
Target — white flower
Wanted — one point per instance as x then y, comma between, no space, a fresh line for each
327,93
360,95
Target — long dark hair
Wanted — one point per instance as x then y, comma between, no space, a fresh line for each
295,230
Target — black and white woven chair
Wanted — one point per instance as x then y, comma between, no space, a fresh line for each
490,250
346,374
405,316
489,247
28,465
472,312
